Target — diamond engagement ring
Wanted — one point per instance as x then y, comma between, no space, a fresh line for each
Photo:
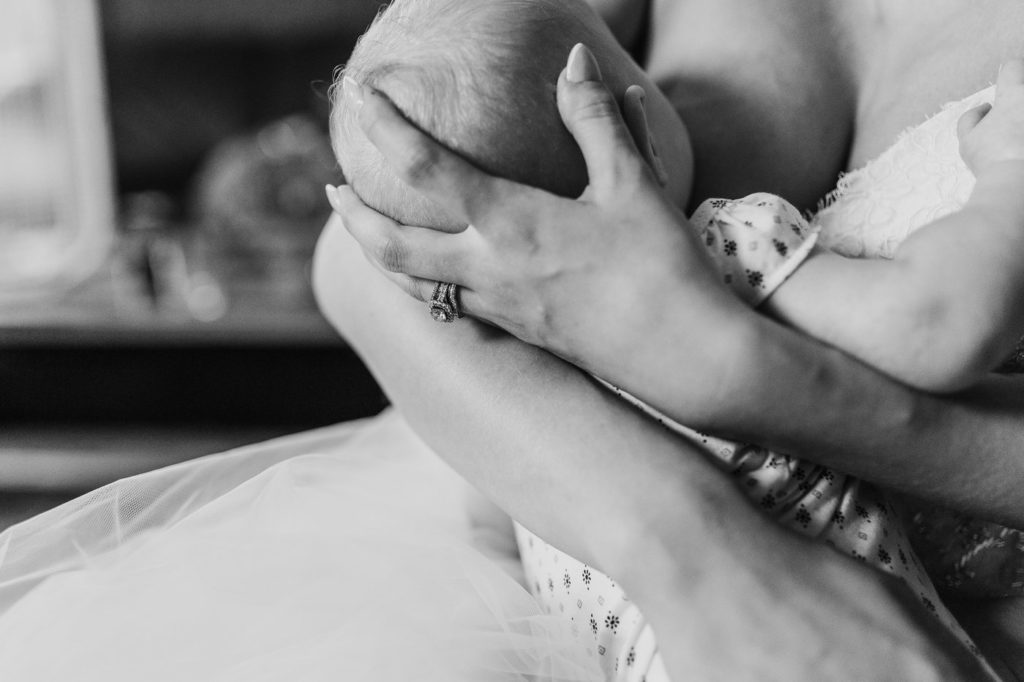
444,303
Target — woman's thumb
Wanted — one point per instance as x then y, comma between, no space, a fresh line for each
591,113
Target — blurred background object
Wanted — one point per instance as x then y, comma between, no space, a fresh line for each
162,165
56,194
258,202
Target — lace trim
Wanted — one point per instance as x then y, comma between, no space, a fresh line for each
846,179
919,179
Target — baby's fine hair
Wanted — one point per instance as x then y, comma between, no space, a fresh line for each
480,77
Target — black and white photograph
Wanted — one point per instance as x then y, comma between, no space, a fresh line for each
511,340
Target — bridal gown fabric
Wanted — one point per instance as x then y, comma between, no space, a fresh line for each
347,553
338,555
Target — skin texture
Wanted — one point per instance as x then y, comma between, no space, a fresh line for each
542,440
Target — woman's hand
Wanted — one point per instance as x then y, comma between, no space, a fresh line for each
583,278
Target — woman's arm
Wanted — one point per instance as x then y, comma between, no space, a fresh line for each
734,594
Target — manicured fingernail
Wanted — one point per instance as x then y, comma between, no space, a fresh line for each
333,198
352,91
582,65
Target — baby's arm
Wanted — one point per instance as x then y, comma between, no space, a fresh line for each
949,307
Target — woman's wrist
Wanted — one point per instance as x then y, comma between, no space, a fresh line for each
707,370
675,338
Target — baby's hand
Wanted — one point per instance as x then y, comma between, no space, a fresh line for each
991,135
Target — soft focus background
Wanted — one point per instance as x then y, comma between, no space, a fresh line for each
162,165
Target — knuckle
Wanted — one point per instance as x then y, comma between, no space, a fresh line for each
596,104
544,327
391,254
527,246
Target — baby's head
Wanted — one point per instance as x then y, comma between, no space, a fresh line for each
480,77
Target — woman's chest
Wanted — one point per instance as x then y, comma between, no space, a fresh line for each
914,57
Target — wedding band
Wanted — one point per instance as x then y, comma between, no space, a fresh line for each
453,300
444,302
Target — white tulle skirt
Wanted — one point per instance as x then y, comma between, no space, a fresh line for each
343,554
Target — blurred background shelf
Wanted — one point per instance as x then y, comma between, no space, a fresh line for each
87,401
104,358
279,328
67,324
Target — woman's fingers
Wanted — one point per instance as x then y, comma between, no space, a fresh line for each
362,222
464,190
417,252
423,290
411,286
591,114
634,112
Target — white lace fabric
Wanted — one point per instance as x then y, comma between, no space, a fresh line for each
917,180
